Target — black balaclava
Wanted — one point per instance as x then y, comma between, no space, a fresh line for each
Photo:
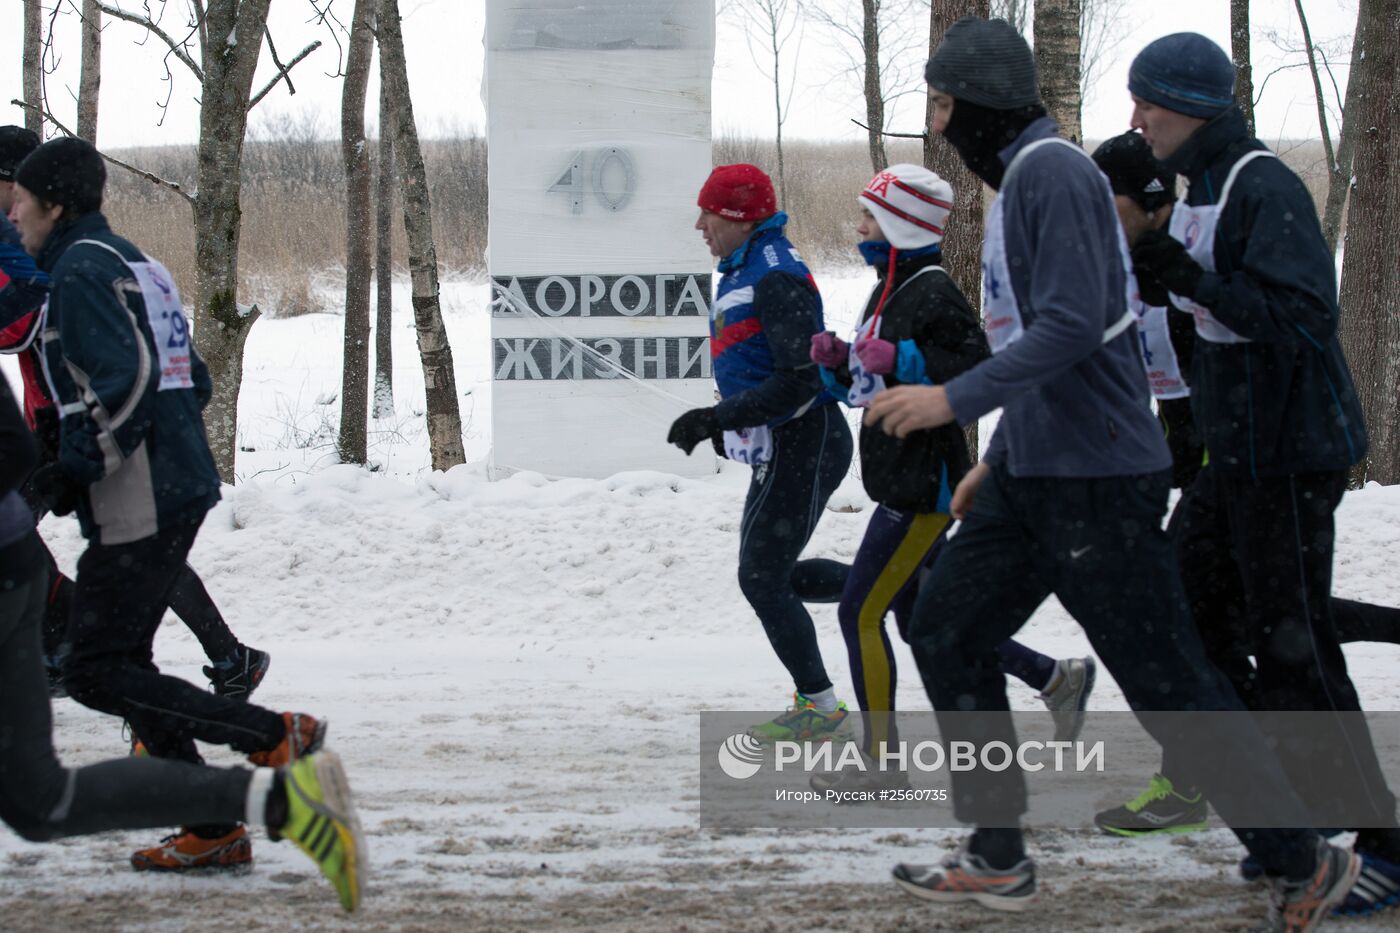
978,133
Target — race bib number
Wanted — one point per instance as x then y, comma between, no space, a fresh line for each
864,386
749,445
168,324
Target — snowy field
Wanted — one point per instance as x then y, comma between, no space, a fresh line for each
512,673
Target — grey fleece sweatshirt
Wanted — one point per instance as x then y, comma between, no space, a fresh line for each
1072,405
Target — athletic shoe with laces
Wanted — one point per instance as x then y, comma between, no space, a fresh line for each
964,876
1073,682
304,736
238,676
1301,906
1377,888
184,851
803,721
321,821
1159,809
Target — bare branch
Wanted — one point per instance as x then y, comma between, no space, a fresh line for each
281,68
173,186
150,25
895,135
282,72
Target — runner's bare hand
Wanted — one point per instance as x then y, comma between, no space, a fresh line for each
905,409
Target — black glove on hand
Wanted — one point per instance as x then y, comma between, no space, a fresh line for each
717,442
691,428
55,488
1152,292
1159,256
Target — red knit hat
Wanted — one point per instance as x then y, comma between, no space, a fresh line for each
739,192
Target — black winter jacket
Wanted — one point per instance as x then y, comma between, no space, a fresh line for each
1284,402
909,475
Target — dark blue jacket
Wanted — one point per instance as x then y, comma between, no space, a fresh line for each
1284,403
766,310
1072,406
141,453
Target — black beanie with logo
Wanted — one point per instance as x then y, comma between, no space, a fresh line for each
66,171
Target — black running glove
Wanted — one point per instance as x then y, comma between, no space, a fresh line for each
1158,256
58,491
696,425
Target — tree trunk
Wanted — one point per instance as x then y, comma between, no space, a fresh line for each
444,419
1057,62
1239,53
90,78
384,258
1339,183
962,237
1326,132
354,150
874,95
776,46
221,326
1370,325
33,67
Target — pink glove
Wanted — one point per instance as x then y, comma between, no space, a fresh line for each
829,350
876,356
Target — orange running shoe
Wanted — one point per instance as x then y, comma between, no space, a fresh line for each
304,736
185,851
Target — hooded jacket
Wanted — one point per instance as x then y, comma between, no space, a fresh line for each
140,451
1284,402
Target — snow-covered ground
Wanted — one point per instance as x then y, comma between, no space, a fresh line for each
513,671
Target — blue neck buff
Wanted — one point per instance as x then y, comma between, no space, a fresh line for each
877,252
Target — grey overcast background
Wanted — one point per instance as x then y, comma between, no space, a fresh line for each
443,39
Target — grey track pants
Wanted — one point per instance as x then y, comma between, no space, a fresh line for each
42,800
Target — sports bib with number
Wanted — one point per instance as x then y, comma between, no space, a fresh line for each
749,445
166,316
1158,354
1001,314
865,386
1194,228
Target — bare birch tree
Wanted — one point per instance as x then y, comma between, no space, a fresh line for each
439,379
90,76
32,66
1370,325
1239,53
354,150
220,45
775,22
384,257
1057,63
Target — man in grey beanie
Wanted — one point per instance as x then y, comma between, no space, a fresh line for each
1273,399
1069,498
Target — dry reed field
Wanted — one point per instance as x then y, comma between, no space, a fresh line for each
294,197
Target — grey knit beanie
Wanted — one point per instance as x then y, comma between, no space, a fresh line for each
984,62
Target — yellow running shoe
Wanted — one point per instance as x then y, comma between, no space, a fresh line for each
321,821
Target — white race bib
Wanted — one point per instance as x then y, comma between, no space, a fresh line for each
1158,355
749,445
168,325
1194,228
864,386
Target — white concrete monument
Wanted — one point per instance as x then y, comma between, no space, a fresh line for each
598,126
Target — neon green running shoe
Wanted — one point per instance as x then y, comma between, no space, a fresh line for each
321,821
1159,809
804,722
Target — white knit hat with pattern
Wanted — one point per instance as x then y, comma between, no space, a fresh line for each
910,204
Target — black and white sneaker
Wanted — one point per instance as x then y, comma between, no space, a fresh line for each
237,677
1377,888
964,876
1068,695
